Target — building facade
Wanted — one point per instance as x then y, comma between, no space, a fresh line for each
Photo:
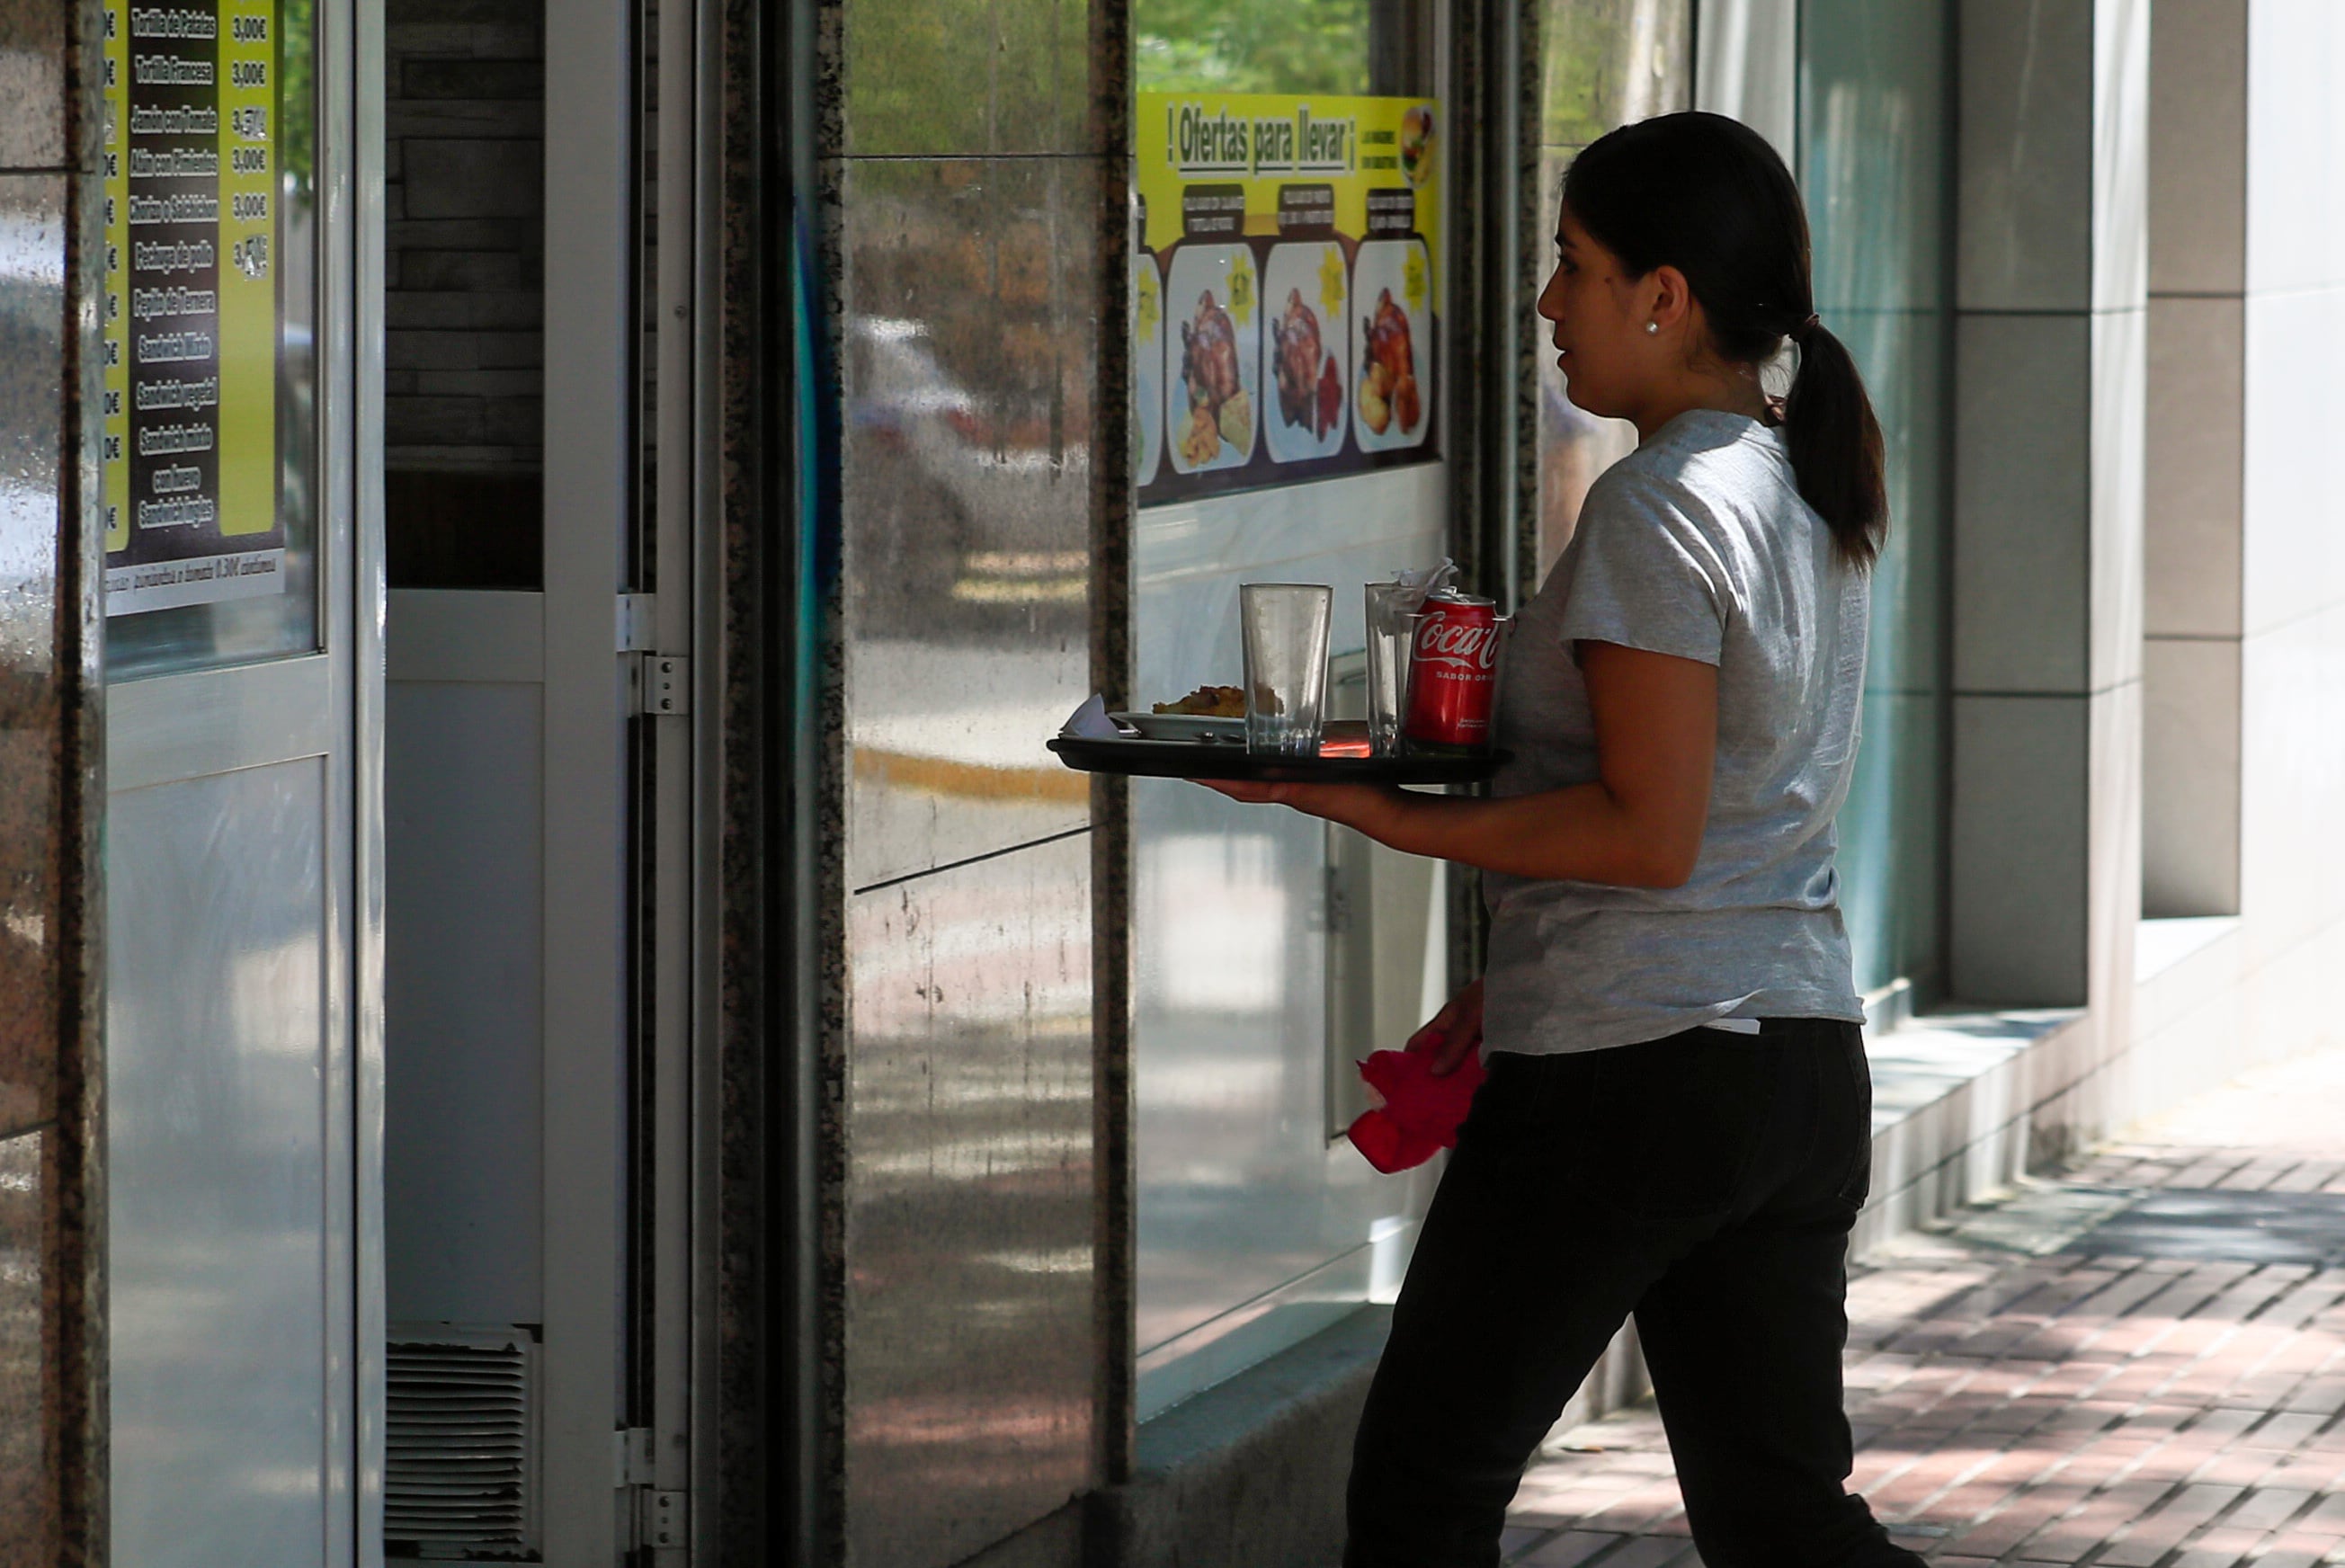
558,1008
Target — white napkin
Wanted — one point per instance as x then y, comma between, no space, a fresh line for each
1091,722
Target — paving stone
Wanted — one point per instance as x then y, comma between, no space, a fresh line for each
1570,1550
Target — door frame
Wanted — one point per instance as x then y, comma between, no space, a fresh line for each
590,235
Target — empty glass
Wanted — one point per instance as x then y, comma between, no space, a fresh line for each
1285,626
1389,608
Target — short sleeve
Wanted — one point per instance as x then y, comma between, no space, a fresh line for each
1643,576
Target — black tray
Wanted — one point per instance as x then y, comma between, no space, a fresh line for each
1222,760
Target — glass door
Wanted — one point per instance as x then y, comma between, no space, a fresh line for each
242,602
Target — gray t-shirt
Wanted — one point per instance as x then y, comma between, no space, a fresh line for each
1697,544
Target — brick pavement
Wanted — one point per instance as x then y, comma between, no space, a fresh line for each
2136,1362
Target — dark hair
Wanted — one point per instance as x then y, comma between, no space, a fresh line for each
1708,196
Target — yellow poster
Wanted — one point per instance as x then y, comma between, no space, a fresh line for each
1285,289
191,303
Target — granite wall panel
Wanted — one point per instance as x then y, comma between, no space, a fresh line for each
52,1241
970,1329
971,271
2050,283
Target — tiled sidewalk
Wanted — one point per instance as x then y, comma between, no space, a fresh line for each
2139,1362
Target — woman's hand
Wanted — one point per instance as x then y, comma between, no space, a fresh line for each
1454,1032
1354,805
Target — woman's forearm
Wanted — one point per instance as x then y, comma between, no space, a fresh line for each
1583,833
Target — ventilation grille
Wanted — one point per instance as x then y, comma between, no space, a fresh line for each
460,1463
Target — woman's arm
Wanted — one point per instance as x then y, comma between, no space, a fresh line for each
1638,825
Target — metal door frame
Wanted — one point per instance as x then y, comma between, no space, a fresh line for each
589,388
614,860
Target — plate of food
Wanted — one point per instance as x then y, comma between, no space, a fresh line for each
1309,292
1392,319
1208,714
1213,382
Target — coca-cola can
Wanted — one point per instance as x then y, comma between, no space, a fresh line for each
1453,673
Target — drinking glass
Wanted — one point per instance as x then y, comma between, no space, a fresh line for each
1389,608
1285,632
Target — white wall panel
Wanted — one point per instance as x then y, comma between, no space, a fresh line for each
2292,783
2294,560
2294,163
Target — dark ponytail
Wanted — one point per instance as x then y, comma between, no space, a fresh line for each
1708,196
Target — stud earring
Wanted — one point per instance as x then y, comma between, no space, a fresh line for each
1652,326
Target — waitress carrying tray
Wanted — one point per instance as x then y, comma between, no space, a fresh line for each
1342,759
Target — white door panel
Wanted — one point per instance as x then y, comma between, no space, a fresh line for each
222,1105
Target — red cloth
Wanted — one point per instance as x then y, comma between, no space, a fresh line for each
1421,1113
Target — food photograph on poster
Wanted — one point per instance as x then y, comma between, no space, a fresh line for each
1389,321
1212,356
1309,288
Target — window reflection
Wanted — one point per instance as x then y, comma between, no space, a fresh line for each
1872,113
1602,64
1381,46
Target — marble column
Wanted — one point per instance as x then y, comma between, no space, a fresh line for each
974,176
2051,262
52,1236
2049,533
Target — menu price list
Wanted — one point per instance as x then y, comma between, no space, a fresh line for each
191,303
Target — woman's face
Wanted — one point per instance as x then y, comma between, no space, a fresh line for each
1599,316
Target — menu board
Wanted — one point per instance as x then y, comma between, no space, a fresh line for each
1284,289
190,92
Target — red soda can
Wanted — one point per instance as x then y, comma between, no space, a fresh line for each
1453,673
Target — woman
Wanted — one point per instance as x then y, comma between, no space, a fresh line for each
1677,1122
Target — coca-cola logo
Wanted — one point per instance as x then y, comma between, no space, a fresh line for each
1460,644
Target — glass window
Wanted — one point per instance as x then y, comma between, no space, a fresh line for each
1290,359
1375,46
463,344
209,379
1602,63
1873,113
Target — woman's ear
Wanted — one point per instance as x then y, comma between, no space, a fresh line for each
1672,297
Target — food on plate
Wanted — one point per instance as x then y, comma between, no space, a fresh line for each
1201,443
1236,419
1376,408
1209,353
1331,398
1300,352
1209,702
1405,405
1208,372
1388,381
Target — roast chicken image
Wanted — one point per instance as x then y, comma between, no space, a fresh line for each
1219,408
1388,381
1310,393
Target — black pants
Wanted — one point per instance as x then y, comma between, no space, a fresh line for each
1706,1183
